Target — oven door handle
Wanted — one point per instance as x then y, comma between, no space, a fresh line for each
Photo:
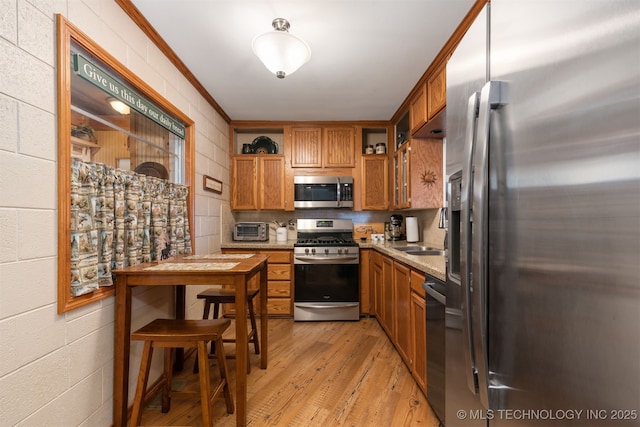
320,260
324,306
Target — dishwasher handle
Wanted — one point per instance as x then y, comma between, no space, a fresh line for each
428,287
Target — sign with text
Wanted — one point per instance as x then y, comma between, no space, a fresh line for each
105,82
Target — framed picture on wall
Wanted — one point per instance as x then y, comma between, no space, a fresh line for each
212,184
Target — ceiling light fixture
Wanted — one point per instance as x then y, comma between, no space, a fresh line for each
280,51
119,106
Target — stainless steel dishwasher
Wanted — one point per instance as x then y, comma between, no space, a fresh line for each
436,304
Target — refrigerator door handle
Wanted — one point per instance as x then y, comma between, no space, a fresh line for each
491,97
465,241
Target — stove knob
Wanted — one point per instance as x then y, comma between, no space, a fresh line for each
313,251
339,251
326,251
346,251
306,251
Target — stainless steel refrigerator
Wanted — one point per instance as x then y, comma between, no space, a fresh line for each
543,270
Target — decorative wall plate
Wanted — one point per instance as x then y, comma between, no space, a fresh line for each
264,145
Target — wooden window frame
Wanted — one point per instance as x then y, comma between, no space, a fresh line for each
65,33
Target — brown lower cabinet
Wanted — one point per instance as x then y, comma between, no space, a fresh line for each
400,308
376,278
366,297
402,330
418,353
279,281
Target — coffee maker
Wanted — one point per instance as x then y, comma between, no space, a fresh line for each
396,229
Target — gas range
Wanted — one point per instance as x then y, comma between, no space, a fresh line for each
326,271
325,240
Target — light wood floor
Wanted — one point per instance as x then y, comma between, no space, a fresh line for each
319,374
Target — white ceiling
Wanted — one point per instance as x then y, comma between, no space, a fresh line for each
366,55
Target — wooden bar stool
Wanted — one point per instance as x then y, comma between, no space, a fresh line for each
217,296
174,333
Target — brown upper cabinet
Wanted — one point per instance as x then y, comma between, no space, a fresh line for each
323,147
375,182
418,109
417,174
425,173
437,91
258,182
244,182
427,103
306,147
271,179
339,148
259,175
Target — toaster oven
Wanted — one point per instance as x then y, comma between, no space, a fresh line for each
251,231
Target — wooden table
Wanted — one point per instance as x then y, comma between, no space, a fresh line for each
194,270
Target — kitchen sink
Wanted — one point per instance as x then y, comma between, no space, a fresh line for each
415,248
429,252
419,250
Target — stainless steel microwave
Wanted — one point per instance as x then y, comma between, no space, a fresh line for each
251,231
323,192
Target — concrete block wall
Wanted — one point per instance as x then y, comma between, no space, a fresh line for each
58,368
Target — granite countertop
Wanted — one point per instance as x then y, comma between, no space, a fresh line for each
269,244
433,265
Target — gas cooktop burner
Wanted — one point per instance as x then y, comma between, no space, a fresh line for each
326,241
325,233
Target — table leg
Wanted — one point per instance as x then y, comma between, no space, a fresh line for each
122,344
241,284
263,317
181,293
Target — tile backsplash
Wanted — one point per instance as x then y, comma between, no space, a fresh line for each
427,220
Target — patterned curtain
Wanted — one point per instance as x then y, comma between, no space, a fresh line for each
120,218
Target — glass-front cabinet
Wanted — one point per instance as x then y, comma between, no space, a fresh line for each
402,184
417,169
401,165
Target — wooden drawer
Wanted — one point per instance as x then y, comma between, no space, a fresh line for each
278,257
417,278
279,306
279,276
279,271
275,257
279,289
275,306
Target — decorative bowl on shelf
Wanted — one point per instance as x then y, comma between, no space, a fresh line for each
264,145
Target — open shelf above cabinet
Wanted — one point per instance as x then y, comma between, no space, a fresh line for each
372,138
403,133
248,136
